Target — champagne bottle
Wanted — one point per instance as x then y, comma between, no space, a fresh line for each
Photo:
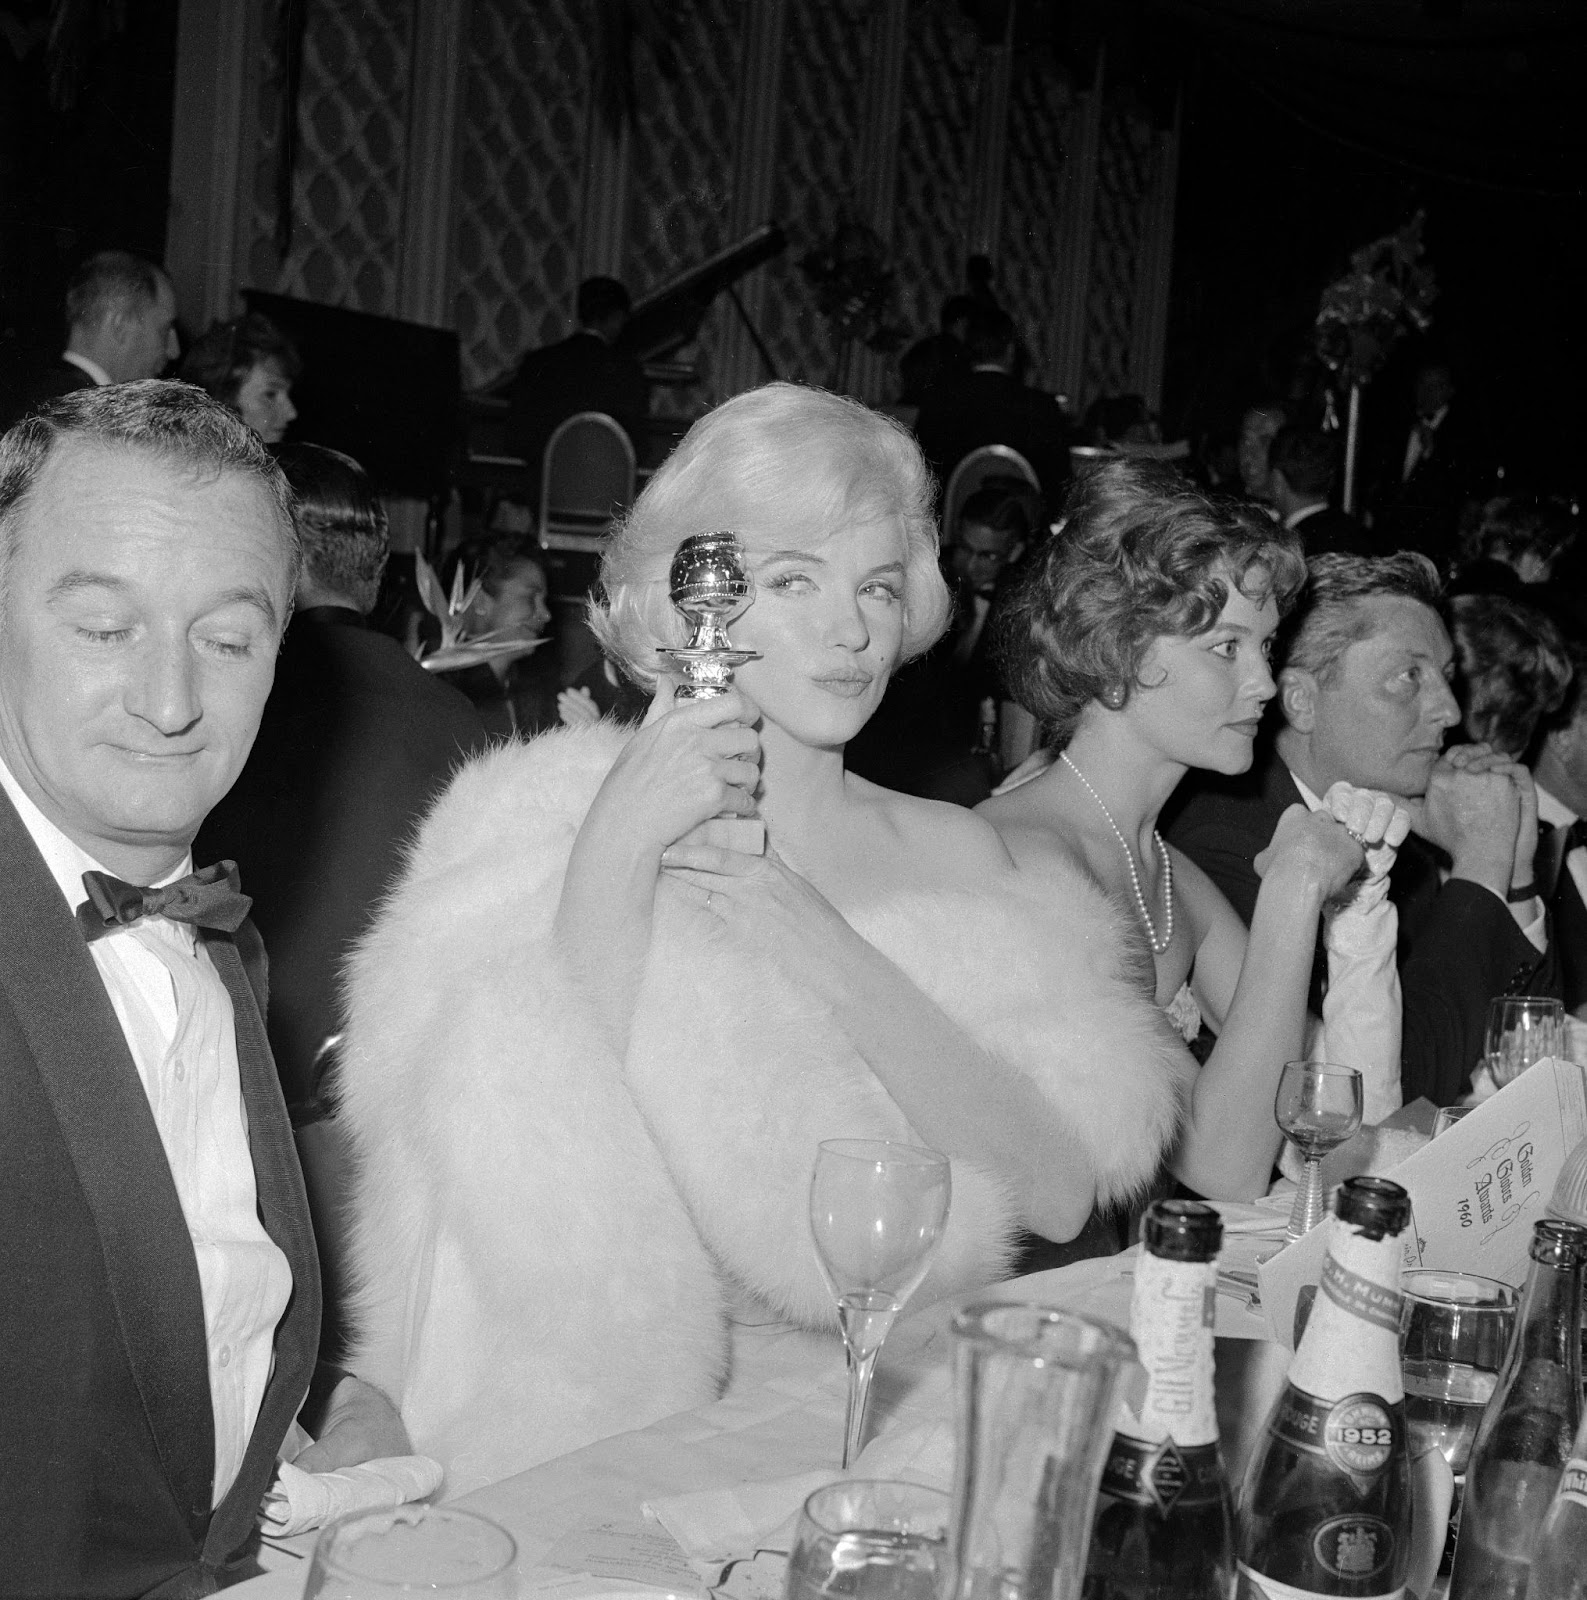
1559,1570
1164,1527
1524,1439
1325,1508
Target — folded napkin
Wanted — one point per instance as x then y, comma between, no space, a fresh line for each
720,1524
298,1501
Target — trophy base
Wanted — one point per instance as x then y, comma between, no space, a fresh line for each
747,835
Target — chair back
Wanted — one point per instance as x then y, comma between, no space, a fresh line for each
586,478
972,473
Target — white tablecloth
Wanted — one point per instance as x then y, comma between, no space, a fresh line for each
784,1415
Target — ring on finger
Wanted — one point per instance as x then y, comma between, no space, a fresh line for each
1360,838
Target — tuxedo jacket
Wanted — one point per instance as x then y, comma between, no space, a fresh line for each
106,1428
579,373
1567,915
1459,945
47,383
959,416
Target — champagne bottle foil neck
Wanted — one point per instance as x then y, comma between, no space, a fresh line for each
1182,1230
1376,1207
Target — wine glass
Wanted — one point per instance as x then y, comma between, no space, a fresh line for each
410,1550
1454,1331
870,1538
1448,1116
1523,1029
1318,1107
877,1210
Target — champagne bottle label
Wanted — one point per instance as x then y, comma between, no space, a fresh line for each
1163,1475
1573,1485
1360,1296
1171,1317
1358,1433
1255,1586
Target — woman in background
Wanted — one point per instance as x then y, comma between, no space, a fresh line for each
591,1053
1515,670
249,365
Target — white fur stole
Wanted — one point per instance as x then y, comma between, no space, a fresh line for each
540,1228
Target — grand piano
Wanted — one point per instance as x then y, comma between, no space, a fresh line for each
661,324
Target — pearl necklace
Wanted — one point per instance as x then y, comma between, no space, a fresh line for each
1135,878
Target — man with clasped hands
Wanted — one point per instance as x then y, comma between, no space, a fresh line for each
1365,692
160,1312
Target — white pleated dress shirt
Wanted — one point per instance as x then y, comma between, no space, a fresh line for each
177,1018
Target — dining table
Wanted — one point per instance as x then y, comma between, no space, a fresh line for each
595,1522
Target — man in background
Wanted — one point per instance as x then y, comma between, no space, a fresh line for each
991,406
1560,775
120,326
1302,467
939,358
355,743
587,371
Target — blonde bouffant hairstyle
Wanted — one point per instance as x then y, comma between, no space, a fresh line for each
781,466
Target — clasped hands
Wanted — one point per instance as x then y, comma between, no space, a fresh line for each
1348,846
1480,808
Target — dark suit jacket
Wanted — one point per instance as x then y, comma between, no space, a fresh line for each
48,383
1568,916
993,408
106,1430
356,742
579,373
1459,946
1422,512
1329,532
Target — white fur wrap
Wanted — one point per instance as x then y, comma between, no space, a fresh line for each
543,1232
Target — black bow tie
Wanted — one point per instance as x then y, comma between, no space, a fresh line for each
211,898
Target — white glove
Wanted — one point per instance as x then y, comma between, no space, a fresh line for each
1379,824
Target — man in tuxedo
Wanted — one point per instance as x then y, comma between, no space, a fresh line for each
991,406
161,1307
1302,466
587,371
120,326
1432,465
1560,775
939,358
1365,696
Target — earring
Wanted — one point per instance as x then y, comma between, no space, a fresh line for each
1113,696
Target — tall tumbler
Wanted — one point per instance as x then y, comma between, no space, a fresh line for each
1037,1397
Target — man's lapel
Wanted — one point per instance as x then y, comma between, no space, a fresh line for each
284,1210
83,1063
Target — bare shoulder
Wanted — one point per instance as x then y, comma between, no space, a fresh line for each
1031,830
956,842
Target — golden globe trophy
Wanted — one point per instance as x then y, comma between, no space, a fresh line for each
709,585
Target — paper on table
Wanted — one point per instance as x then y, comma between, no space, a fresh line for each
632,1552
1475,1190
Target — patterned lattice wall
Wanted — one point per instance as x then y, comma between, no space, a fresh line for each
932,211
521,164
685,130
825,49
1123,178
352,132
1031,265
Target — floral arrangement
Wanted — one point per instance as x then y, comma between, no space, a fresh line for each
1387,291
854,287
459,647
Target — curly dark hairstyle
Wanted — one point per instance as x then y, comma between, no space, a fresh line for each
1515,669
219,363
1139,554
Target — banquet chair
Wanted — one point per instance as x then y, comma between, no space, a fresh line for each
982,464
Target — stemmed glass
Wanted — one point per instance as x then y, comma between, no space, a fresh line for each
409,1550
1318,1107
877,1210
1523,1029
